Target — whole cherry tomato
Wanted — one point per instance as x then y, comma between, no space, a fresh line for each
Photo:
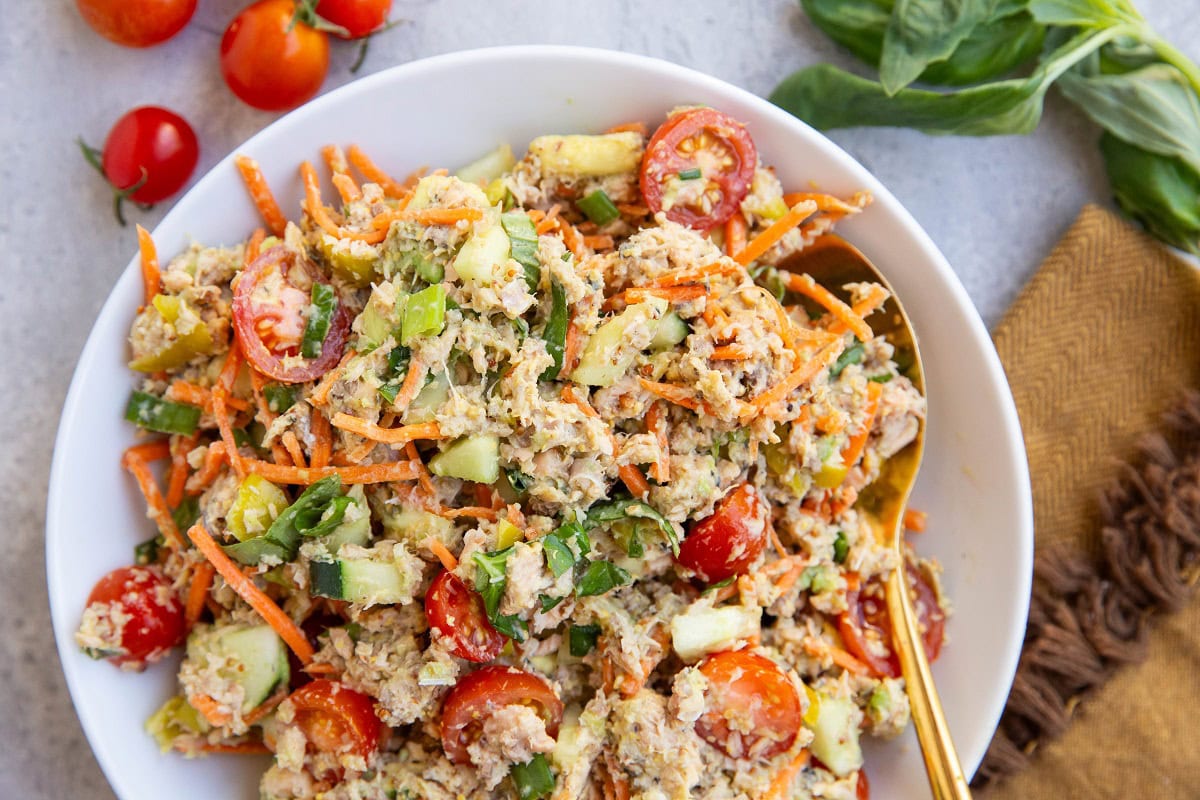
271,59
698,168
337,719
148,156
136,23
726,542
358,17
457,613
483,692
133,618
752,710
866,621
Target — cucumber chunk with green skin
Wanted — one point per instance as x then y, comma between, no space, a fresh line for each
489,166
252,656
415,525
611,350
671,331
482,258
703,629
835,735
363,577
579,155
472,458
425,405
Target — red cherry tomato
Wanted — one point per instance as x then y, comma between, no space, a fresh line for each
457,613
752,710
270,60
862,791
151,148
701,139
136,616
727,541
359,17
866,620
136,23
482,693
336,719
268,319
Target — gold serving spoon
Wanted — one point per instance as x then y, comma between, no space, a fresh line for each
833,262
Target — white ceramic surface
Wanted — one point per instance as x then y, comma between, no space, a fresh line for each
445,111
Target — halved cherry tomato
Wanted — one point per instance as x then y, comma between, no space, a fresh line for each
268,319
726,542
866,619
701,139
483,692
336,719
136,614
136,23
359,17
270,59
458,614
752,710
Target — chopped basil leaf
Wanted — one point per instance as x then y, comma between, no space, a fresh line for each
324,304
852,355
301,518
549,602
510,625
533,779
600,577
147,552
634,547
631,509
555,332
519,481
523,245
186,513
164,416
491,579
582,639
598,207
559,557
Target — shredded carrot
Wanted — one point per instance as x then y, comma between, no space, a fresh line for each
571,238
805,285
321,668
260,193
367,473
177,478
480,512
672,393
571,346
214,457
829,203
730,352
222,418
423,476
802,374
620,783
320,392
735,234
630,127
632,209
834,422
915,520
636,482
229,371
853,450
773,535
598,242
413,178
202,579
401,435
209,709
694,274
151,275
292,444
253,247
767,239
247,748
656,424
374,174
414,380
443,553
840,657
346,187
263,414
638,294
548,220
267,706
788,579
445,216
322,449
182,391
782,782
157,508
154,450
245,588
335,159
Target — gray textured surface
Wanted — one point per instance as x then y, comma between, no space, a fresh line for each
994,206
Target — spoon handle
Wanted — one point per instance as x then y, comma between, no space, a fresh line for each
946,778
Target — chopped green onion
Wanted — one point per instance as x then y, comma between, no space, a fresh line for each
690,174
582,639
601,577
324,304
555,333
280,397
424,315
840,548
549,602
164,416
147,552
186,513
598,207
852,355
523,245
533,779
884,378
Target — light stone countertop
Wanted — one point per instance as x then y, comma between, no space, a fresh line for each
994,206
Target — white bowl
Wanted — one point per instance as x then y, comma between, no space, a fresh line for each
446,111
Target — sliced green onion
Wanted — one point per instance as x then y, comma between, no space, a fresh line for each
599,207
852,355
555,333
280,397
147,552
164,416
690,174
582,639
324,303
523,245
533,779
601,577
840,548
425,314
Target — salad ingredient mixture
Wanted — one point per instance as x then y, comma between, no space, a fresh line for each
536,480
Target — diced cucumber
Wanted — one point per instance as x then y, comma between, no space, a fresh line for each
352,261
250,655
588,156
433,189
433,395
376,323
256,506
363,577
472,458
609,352
355,527
703,629
488,167
671,331
483,256
835,735
414,525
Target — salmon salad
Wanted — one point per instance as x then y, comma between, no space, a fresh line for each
537,479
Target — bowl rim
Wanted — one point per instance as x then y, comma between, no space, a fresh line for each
1023,514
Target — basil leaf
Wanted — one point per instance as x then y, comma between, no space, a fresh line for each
601,577
147,552
559,557
326,521
1158,191
186,513
582,639
533,779
491,579
282,539
631,509
523,244
713,587
921,32
994,49
510,625
324,304
555,333
519,481
549,602
1084,13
